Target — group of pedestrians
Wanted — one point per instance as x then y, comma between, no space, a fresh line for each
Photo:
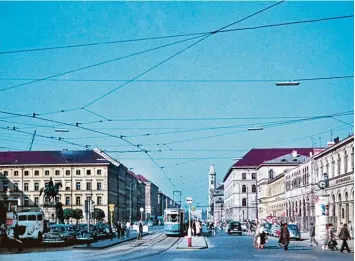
123,229
196,228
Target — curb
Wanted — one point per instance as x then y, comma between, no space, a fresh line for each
109,245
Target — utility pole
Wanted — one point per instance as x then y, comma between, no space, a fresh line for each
33,138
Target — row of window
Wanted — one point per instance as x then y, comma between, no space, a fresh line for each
57,172
253,176
36,186
26,201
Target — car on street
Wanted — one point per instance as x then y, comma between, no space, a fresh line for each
294,231
83,235
267,228
275,230
244,226
235,227
60,234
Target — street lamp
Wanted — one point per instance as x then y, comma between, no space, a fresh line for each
287,83
130,209
255,129
61,130
141,210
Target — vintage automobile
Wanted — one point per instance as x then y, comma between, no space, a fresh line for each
267,228
294,231
244,226
60,234
103,230
82,233
235,227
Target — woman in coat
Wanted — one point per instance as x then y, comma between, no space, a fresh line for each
284,236
261,238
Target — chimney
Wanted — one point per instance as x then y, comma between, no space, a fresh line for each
330,143
336,140
310,154
294,153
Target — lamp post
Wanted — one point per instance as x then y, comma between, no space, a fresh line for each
189,239
141,210
130,209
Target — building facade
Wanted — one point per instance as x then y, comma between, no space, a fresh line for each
151,197
83,175
338,163
211,191
271,183
218,204
240,181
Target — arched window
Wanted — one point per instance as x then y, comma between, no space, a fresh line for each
244,202
338,164
244,189
253,189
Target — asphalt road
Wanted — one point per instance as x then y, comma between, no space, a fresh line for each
221,248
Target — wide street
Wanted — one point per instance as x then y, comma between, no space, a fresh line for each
221,247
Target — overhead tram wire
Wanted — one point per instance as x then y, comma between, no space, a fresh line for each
87,129
179,81
172,36
201,119
96,64
179,52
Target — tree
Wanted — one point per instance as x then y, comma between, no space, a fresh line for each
69,213
98,214
78,214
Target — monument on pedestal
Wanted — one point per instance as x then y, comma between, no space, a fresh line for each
50,206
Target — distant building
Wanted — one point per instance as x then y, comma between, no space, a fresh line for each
240,181
218,203
151,197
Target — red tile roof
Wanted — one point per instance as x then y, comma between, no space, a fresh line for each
50,157
257,156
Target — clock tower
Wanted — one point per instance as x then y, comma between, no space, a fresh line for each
211,189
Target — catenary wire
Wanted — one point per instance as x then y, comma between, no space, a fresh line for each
173,36
178,53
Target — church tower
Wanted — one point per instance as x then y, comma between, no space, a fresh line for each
211,189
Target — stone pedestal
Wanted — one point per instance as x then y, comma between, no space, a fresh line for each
49,211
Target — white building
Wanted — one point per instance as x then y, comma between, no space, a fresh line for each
240,191
271,186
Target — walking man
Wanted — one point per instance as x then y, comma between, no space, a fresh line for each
312,234
285,236
140,230
344,235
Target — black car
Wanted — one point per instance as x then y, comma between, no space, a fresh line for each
235,228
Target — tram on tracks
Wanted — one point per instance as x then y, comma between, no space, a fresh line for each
174,222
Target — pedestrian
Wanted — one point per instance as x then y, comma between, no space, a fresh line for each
350,228
122,230
194,228
140,230
128,228
312,234
118,229
256,234
284,236
261,238
111,232
198,229
327,238
344,235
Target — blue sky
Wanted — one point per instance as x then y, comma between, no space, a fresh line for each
310,50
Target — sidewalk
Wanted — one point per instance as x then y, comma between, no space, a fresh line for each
197,243
306,239
108,242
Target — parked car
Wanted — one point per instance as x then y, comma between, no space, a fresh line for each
267,228
294,231
275,230
60,234
83,235
244,226
235,228
103,230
